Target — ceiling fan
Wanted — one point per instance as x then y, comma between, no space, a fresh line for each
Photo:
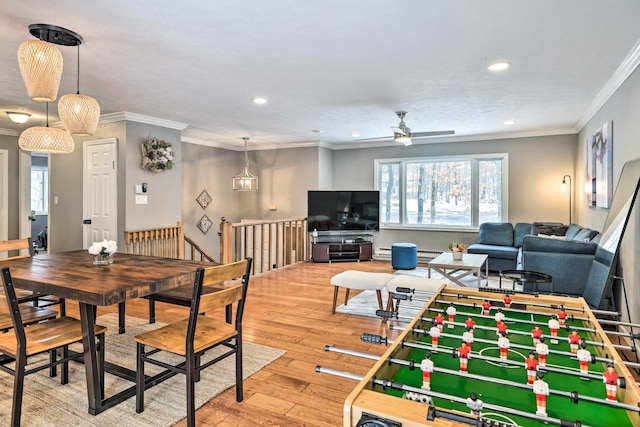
402,133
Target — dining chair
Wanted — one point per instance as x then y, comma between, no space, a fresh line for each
45,337
38,299
192,337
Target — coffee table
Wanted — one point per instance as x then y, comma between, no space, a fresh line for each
455,270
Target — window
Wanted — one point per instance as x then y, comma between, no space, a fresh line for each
40,189
442,192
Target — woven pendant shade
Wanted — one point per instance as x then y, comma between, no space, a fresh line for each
41,68
79,114
46,140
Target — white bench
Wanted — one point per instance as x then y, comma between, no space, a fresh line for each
361,280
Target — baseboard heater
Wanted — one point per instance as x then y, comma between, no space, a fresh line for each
424,255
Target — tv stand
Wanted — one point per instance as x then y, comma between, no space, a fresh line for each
344,247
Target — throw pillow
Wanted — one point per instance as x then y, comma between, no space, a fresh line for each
554,230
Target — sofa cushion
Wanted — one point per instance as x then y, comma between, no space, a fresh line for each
572,231
496,233
583,235
520,230
494,251
554,229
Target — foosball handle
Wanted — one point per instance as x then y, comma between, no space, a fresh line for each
593,359
574,396
387,314
623,384
402,297
405,290
568,423
373,339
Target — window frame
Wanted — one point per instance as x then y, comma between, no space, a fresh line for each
475,186
45,188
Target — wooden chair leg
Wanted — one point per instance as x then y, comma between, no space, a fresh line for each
18,388
346,296
139,379
335,299
121,314
152,311
389,301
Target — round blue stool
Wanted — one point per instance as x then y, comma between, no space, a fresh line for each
404,256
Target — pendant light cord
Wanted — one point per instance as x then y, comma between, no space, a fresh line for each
246,155
78,76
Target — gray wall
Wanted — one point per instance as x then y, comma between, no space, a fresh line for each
623,109
10,143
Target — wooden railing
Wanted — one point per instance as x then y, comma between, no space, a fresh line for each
168,242
271,244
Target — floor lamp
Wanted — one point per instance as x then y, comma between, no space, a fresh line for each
564,188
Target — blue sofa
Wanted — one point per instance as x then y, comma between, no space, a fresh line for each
564,252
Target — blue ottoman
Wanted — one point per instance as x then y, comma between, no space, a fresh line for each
404,256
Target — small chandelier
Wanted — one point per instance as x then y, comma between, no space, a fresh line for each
245,181
43,139
79,113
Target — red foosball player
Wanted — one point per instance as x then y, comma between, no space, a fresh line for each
502,327
507,301
584,357
562,316
451,313
503,345
469,323
536,333
474,404
439,320
611,380
486,308
499,316
463,354
467,336
434,332
531,365
541,390
574,341
554,325
542,350
426,366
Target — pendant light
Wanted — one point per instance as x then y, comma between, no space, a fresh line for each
245,181
41,68
79,113
43,139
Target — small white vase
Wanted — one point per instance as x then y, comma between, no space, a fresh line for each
457,255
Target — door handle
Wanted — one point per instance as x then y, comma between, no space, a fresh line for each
86,221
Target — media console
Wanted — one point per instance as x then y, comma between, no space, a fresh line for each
344,247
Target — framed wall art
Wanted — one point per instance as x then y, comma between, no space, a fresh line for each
602,153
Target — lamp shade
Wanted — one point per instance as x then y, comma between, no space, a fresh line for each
46,140
41,68
79,114
246,181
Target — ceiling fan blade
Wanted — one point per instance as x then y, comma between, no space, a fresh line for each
432,133
398,130
407,142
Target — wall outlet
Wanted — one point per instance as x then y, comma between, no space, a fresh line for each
141,199
273,207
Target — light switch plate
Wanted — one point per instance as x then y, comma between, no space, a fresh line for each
138,188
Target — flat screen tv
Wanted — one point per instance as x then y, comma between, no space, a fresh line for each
348,211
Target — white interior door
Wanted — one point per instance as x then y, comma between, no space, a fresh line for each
100,191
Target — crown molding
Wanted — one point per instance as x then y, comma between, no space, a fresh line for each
624,70
256,146
140,118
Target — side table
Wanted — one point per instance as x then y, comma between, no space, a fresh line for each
529,280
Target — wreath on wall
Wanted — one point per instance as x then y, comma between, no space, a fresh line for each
157,155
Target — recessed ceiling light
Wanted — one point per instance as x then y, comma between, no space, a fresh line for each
499,66
510,122
259,100
355,135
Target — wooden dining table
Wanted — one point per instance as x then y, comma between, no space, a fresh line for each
72,275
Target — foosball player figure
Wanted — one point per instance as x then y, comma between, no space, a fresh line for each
434,332
486,308
531,365
536,333
574,341
541,390
463,354
439,320
451,313
474,404
499,316
470,323
542,350
562,316
503,345
467,336
584,357
611,380
426,366
507,301
554,325
502,327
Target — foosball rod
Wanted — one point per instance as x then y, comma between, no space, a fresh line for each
536,304
476,355
351,352
574,396
402,387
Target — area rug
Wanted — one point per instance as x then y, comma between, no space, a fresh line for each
47,403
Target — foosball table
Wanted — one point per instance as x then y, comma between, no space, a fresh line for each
472,357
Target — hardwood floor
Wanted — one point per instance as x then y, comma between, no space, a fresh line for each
290,309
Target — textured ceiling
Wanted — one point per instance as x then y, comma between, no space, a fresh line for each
337,67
